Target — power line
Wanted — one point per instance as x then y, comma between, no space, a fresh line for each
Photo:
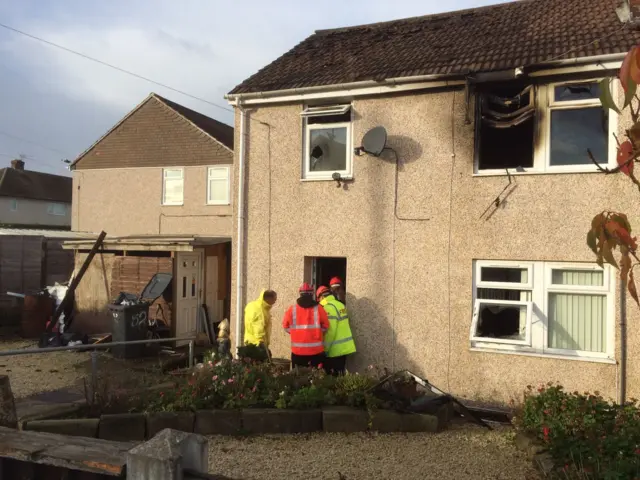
15,137
122,70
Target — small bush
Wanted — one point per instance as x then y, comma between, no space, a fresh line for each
584,432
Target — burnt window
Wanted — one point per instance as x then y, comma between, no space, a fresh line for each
506,123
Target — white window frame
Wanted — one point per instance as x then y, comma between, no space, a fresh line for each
13,205
545,104
476,314
225,176
347,173
540,276
51,209
164,184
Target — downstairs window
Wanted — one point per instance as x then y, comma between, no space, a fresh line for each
543,307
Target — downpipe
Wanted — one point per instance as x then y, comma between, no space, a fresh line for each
240,229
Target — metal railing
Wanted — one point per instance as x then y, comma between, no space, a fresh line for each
94,351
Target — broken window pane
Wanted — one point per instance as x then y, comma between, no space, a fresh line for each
504,274
506,128
576,130
578,91
505,322
328,149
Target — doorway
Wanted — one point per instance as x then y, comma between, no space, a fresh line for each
188,294
322,269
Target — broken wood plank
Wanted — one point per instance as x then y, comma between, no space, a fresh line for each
74,283
74,453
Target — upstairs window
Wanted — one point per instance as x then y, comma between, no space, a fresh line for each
57,209
327,142
218,186
578,122
543,128
172,186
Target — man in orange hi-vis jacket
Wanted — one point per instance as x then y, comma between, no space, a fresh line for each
306,321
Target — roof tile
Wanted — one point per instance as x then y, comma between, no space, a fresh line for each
517,34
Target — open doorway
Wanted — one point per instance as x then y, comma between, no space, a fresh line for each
320,270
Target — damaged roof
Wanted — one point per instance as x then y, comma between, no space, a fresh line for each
35,185
498,37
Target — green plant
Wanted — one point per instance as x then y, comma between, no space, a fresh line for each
352,389
256,353
584,432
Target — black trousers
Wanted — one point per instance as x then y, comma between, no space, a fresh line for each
308,360
336,365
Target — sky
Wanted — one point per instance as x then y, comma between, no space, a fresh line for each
54,105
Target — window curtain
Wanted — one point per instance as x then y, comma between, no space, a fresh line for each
577,321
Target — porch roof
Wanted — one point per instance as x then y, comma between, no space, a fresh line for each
149,243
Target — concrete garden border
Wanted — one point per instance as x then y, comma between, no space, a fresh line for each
140,426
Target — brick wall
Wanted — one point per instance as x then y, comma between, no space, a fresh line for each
155,136
131,275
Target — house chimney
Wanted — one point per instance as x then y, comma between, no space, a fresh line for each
17,164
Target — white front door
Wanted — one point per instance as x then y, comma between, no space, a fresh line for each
188,292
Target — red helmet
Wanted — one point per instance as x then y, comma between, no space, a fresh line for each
321,291
305,288
335,282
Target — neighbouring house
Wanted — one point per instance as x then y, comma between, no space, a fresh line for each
158,183
463,244
31,199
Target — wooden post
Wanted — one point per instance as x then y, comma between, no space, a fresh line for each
76,280
8,416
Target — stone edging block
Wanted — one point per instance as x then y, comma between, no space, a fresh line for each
218,422
122,427
77,427
181,421
273,420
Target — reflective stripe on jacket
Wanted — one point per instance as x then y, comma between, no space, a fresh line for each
257,322
338,340
306,327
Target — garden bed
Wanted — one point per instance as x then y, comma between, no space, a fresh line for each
234,397
579,436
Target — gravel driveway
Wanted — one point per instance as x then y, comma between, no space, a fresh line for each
31,374
463,452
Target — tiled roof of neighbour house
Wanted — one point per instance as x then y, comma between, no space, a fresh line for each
35,185
140,128
220,131
497,37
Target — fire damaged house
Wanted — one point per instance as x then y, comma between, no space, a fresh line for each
443,166
159,184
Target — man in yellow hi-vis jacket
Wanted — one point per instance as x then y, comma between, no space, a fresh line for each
257,319
338,341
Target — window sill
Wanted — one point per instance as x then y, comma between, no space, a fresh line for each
172,205
218,204
327,179
559,171
609,361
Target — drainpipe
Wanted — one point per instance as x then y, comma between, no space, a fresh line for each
622,371
240,238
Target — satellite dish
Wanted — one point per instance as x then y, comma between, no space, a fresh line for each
374,141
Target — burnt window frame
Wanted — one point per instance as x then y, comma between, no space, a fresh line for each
544,104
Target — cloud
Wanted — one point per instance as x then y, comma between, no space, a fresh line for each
202,47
